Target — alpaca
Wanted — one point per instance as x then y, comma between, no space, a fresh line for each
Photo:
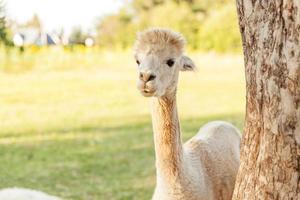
205,167
24,194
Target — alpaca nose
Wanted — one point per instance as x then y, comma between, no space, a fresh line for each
147,76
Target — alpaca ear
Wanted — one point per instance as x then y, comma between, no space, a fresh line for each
186,64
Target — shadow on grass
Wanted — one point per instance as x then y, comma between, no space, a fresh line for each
141,123
119,165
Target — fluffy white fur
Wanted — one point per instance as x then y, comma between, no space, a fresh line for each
205,167
24,194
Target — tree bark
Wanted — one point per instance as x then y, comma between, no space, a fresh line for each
270,155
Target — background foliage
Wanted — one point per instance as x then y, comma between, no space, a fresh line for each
207,25
3,29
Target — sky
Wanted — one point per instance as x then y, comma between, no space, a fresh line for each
66,14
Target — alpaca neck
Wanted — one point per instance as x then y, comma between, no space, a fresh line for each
168,145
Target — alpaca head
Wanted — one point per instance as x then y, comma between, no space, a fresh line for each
159,56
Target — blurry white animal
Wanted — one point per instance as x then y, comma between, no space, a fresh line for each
24,194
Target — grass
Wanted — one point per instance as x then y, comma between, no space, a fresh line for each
73,124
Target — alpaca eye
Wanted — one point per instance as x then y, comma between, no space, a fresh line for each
170,62
137,62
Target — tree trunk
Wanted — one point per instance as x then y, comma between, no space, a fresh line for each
270,155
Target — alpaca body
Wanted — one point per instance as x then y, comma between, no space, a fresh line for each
211,161
204,168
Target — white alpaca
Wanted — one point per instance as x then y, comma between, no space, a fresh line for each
24,194
205,167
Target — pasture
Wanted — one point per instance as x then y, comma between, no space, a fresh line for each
73,124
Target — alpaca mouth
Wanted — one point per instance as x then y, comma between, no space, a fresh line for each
147,93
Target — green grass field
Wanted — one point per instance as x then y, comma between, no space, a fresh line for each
75,126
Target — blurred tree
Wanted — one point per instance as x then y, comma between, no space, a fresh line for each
220,31
117,30
141,5
3,29
205,5
77,36
206,24
35,22
184,21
